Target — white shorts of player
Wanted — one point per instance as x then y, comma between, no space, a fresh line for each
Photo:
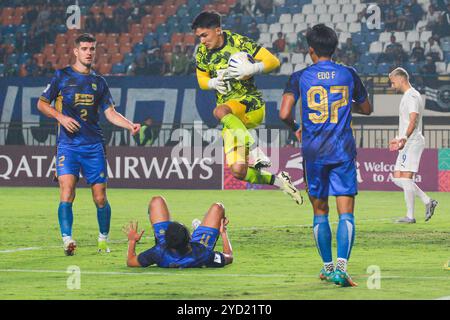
409,157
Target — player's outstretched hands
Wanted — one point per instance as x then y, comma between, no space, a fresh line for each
132,231
241,70
223,225
220,83
70,124
135,127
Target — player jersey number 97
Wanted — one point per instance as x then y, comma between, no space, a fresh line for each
322,105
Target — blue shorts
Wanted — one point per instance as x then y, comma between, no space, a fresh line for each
90,160
338,179
205,235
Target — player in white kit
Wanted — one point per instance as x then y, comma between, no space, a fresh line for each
410,144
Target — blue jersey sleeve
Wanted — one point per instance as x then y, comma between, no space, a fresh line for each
51,91
106,99
359,91
217,260
148,257
293,85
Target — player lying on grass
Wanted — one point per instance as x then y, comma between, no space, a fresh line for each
174,246
239,103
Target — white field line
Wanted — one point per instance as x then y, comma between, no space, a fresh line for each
218,275
239,228
443,298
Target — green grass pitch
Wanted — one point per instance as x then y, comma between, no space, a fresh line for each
274,249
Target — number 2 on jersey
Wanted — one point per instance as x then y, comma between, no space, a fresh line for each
322,105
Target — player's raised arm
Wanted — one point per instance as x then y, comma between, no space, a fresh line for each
119,120
133,237
227,249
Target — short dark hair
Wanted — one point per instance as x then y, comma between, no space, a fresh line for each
85,37
177,237
207,19
322,39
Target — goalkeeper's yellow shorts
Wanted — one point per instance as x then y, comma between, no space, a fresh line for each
235,152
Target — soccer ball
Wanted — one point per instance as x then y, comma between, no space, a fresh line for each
241,58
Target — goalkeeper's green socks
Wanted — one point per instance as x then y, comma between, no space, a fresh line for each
259,176
238,129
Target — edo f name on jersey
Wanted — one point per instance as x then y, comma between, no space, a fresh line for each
326,91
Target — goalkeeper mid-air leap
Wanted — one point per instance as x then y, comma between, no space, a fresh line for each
239,105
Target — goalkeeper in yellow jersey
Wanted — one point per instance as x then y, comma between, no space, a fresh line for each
239,105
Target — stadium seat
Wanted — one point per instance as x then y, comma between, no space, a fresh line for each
291,38
308,60
285,18
265,37
347,8
53,58
308,9
189,39
39,58
297,58
351,17
136,38
359,7
337,18
311,18
334,9
177,38
441,67
298,18
354,27
284,57
275,28
328,2
400,36
116,58
425,35
301,27
299,66
324,18
317,2
171,10
105,68
49,49
321,9
118,68
376,47
263,27
343,36
61,49
288,28
286,69
412,67
383,68
406,46
128,58
369,68
271,19
412,36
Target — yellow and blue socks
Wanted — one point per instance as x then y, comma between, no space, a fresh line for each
104,220
322,235
65,217
345,237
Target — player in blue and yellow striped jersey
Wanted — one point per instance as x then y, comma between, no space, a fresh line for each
328,92
80,94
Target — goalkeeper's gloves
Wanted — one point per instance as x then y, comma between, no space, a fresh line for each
220,83
241,70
